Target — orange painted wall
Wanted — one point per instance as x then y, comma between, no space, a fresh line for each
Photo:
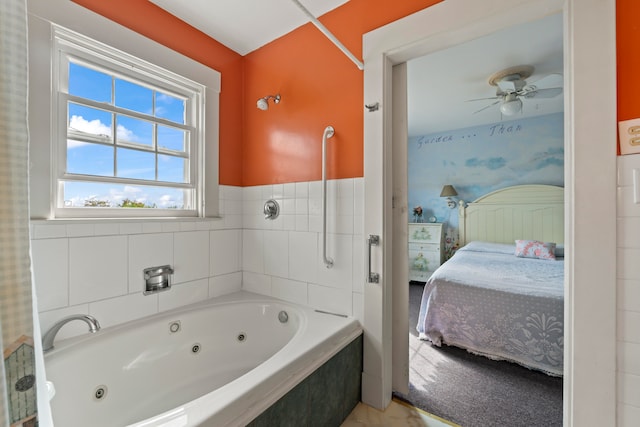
155,23
319,86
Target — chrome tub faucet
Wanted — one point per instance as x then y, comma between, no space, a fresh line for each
47,339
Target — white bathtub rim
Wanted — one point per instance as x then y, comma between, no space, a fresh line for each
241,403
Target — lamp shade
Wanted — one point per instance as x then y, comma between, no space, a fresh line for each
448,191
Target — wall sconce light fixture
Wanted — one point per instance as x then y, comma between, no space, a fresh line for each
263,103
448,191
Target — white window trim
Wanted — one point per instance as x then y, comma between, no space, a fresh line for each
68,44
42,15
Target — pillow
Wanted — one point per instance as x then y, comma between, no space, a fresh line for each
535,249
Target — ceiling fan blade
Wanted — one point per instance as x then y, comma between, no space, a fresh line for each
549,80
544,93
488,106
483,99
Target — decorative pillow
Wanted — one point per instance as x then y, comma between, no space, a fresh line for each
535,249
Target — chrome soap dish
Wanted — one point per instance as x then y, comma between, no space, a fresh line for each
157,279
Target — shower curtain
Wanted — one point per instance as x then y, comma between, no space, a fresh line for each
18,401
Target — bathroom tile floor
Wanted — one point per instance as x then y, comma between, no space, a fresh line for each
397,414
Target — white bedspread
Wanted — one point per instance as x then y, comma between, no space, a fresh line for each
489,301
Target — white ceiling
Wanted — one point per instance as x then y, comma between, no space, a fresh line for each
246,25
439,84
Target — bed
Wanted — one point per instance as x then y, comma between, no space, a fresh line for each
490,301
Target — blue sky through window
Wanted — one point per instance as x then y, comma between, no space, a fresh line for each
93,149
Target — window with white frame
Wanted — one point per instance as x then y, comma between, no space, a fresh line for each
128,135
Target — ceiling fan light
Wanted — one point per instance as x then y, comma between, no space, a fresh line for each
511,107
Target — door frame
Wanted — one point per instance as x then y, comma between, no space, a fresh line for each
590,198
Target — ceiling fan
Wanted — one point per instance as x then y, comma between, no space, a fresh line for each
512,87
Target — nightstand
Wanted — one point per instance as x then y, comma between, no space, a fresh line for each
426,249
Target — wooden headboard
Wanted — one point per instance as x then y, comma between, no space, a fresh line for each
534,212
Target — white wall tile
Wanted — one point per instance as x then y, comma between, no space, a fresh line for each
233,207
625,204
252,193
80,230
289,190
183,294
97,268
170,227
627,231
628,329
340,249
187,226
302,206
303,256
358,306
51,272
358,263
152,227
106,229
345,188
147,250
315,189
628,295
302,223
228,192
358,196
628,266
49,231
276,253
226,284
114,311
289,222
252,251
628,415
289,290
330,299
315,223
626,164
131,228
190,256
226,251
258,283
302,190
628,357
232,221
629,389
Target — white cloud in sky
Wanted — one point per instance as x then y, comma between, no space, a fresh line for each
96,127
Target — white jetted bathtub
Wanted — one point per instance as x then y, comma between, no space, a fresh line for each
216,363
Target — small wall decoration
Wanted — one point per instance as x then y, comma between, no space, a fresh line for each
417,214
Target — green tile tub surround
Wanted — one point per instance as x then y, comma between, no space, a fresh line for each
323,399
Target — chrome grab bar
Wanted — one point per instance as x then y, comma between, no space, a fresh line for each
328,133
373,240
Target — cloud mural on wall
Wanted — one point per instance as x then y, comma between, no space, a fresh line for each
492,163
482,159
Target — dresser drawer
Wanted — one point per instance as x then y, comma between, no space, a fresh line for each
423,261
425,233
